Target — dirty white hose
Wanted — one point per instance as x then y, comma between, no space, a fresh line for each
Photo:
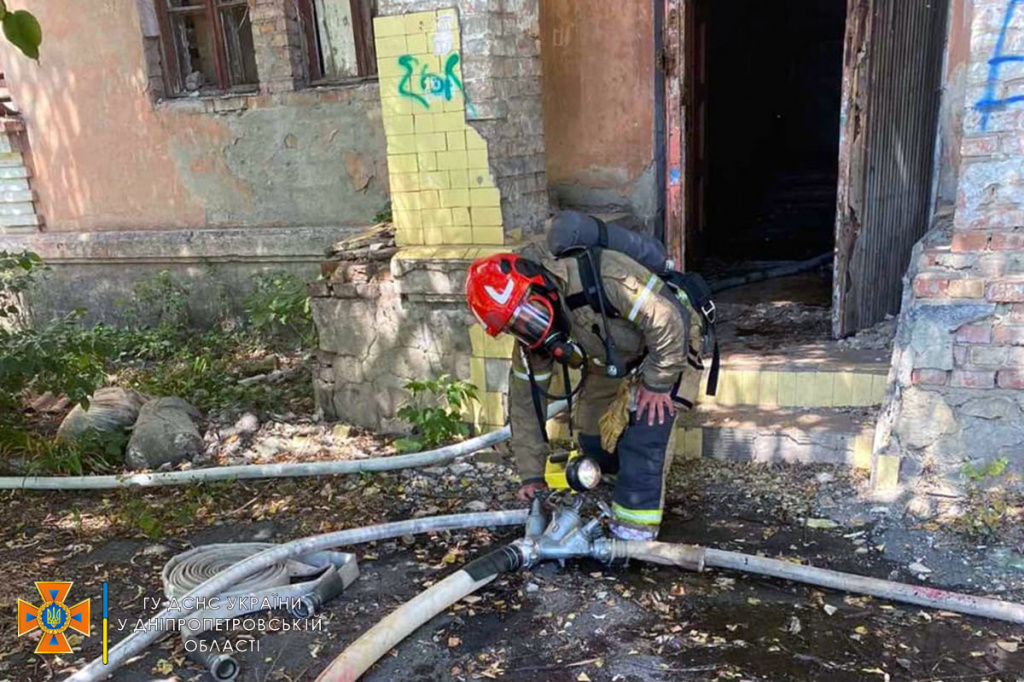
286,470
697,558
359,656
137,642
371,647
930,597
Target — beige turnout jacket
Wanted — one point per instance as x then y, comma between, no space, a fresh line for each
651,326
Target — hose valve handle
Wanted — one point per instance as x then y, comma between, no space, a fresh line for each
606,511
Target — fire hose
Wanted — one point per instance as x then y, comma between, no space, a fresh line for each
567,535
137,642
251,471
325,575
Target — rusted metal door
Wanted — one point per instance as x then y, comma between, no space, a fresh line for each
891,93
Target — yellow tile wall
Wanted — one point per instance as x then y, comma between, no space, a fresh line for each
441,186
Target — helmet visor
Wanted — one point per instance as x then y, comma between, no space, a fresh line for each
532,321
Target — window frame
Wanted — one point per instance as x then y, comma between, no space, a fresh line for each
174,80
363,13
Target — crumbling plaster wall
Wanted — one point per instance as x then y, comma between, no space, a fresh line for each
109,156
132,177
600,105
380,327
498,42
383,325
958,366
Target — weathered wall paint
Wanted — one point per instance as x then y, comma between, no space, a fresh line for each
599,100
1003,88
107,157
954,90
443,189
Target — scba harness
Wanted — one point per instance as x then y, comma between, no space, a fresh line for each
584,238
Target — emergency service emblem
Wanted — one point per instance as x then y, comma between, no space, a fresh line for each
54,618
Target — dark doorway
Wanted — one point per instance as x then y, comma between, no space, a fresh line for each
773,75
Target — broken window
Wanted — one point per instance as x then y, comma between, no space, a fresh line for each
208,46
338,36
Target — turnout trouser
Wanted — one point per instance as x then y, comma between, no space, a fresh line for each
640,462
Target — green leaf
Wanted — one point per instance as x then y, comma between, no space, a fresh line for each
408,445
24,31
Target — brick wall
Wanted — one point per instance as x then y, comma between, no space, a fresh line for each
277,37
958,365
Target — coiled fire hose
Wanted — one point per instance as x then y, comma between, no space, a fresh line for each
137,642
326,575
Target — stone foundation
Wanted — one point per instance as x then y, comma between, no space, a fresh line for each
384,324
958,366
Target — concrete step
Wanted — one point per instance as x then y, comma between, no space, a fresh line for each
810,377
777,434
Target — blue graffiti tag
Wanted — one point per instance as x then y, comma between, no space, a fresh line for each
987,104
418,83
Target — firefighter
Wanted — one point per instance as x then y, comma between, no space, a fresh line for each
539,300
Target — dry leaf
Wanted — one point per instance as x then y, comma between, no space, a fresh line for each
829,609
453,642
861,630
753,601
164,667
582,677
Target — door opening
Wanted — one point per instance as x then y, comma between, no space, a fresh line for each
774,85
767,94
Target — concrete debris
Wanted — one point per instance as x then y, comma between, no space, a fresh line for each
111,410
878,337
164,433
376,243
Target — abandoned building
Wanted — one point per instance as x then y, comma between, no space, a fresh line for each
881,139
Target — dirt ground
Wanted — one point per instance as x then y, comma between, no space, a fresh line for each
582,622
790,315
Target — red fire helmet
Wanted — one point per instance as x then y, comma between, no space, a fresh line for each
497,285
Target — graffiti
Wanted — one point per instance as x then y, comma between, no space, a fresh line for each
419,84
990,102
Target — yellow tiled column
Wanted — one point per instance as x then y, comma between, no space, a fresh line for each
442,191
491,412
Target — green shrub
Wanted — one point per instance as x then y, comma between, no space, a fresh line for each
279,308
435,412
159,304
90,453
58,356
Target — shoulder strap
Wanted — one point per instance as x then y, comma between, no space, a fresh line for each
602,233
589,265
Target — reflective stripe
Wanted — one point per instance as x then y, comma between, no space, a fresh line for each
643,297
526,377
647,517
